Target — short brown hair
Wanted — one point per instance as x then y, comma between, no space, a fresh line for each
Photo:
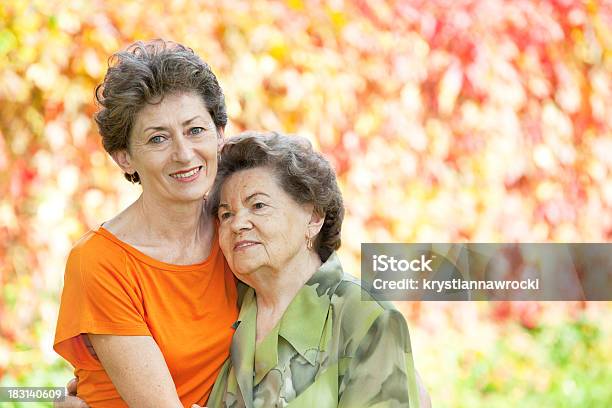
142,74
304,174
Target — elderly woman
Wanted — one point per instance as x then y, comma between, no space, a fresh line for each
148,300
307,334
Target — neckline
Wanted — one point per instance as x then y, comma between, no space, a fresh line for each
149,260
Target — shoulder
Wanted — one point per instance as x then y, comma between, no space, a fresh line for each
346,292
94,255
351,294
95,246
359,316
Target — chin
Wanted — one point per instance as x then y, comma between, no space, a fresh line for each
190,199
244,268
193,192
196,194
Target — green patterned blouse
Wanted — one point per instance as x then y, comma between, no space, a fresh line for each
330,349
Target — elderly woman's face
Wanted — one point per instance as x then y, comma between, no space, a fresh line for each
173,147
261,226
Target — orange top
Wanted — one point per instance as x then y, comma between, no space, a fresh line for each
112,288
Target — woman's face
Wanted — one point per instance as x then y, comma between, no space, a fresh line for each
260,225
173,147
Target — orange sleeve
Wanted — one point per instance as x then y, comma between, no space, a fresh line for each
100,297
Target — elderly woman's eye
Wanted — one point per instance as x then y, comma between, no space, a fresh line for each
224,216
157,139
196,130
259,205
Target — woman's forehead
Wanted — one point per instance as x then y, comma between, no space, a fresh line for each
173,108
249,181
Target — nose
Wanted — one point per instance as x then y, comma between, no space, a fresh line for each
183,150
241,222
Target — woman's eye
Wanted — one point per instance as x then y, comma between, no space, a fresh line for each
259,205
157,139
196,130
224,216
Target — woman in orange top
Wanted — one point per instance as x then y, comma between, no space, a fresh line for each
149,290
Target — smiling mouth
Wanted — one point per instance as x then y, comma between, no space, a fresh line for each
181,175
244,245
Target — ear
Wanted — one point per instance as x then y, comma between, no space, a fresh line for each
123,160
220,139
315,224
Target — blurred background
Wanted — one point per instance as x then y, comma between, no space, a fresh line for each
447,121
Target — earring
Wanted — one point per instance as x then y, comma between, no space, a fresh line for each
309,243
132,178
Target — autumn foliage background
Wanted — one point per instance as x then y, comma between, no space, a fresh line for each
447,121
